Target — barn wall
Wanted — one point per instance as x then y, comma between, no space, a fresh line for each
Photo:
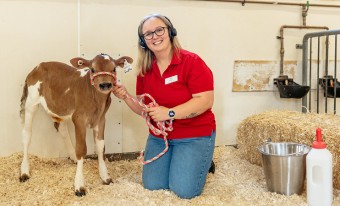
221,33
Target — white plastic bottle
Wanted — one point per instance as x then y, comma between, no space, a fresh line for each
319,173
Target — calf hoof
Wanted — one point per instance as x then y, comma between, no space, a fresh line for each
107,181
81,192
24,178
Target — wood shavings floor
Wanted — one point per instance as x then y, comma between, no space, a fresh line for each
235,182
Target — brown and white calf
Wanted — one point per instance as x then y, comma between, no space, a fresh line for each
81,95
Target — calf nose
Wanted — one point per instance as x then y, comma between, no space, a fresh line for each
105,86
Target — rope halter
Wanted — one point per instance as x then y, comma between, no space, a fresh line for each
95,74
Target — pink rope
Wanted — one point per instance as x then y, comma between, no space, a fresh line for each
162,127
93,75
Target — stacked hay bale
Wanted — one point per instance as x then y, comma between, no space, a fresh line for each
289,126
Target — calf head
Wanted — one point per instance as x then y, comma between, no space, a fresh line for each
102,70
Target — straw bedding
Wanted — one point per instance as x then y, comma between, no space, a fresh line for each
235,182
289,126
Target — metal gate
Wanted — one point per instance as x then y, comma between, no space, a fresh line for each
319,71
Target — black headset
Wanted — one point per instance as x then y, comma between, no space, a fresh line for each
172,32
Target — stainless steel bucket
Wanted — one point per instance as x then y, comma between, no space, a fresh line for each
284,166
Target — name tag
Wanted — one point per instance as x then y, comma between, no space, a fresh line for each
171,79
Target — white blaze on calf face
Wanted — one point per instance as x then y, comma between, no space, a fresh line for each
107,57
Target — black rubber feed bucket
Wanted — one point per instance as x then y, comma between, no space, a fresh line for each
328,83
331,93
289,89
292,90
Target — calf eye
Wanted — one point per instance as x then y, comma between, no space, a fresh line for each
92,70
114,70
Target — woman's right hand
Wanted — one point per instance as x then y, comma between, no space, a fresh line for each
119,91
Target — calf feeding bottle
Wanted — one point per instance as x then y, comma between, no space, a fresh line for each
319,173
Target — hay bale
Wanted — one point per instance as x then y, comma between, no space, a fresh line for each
289,126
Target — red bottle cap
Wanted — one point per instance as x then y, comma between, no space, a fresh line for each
319,144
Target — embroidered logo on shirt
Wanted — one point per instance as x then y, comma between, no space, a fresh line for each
171,79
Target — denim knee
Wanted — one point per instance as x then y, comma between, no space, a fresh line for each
154,185
155,175
185,192
190,165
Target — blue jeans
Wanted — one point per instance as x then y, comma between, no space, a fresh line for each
183,168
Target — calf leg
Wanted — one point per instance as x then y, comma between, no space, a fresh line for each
63,129
79,185
104,175
26,139
81,150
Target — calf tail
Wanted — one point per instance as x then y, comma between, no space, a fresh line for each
23,102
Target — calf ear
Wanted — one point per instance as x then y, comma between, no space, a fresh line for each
80,63
120,62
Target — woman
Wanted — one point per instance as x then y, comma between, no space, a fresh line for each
182,84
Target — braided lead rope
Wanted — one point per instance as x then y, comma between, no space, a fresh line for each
162,129
93,75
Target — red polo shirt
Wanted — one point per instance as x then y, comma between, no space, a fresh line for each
186,75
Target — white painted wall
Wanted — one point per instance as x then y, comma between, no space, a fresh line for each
35,30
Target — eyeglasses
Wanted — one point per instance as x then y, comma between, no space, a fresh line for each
159,31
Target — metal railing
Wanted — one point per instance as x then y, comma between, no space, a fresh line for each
327,82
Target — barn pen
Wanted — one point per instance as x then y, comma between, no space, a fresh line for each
245,43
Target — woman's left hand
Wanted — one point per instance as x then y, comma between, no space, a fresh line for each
158,113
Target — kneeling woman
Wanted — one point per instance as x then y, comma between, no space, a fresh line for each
183,85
